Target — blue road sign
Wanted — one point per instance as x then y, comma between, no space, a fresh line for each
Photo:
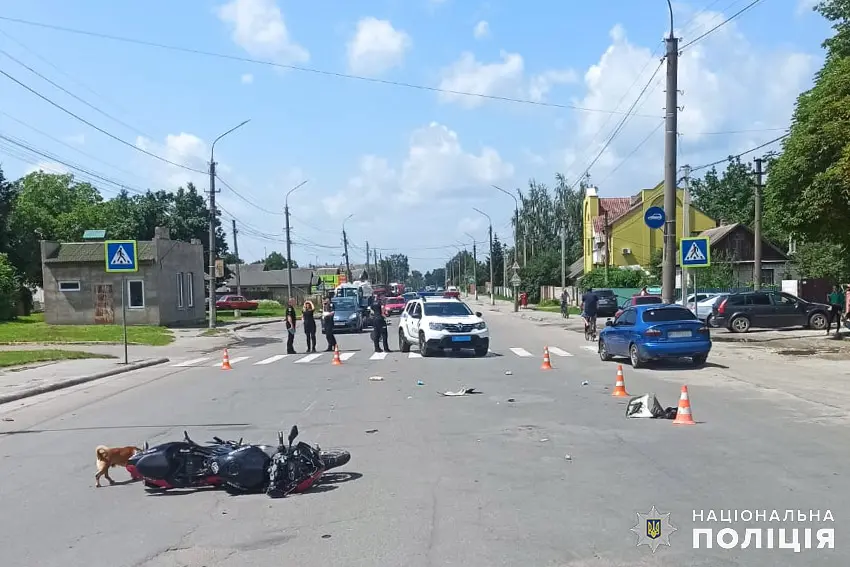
695,252
654,217
121,256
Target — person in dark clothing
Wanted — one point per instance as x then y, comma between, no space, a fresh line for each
328,324
589,308
836,303
379,329
290,327
307,315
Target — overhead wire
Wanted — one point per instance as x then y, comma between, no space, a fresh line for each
751,150
721,24
349,76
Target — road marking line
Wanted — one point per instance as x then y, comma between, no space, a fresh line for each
192,362
414,355
233,360
520,351
590,348
271,359
558,352
378,356
346,355
309,357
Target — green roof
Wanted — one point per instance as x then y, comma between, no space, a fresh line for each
78,252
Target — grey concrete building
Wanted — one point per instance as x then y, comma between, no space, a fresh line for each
167,289
257,283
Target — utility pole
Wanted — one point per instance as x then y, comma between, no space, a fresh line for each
367,261
686,231
563,258
212,245
605,235
492,277
377,275
345,246
288,254
757,227
475,268
668,280
236,251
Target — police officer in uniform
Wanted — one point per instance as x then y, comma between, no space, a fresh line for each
379,328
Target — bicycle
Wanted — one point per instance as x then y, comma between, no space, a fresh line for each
565,312
589,328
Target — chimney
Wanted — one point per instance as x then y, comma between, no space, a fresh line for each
161,233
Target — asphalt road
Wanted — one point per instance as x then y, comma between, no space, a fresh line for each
473,481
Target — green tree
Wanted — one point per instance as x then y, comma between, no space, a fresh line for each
822,260
539,272
728,196
276,261
189,218
10,286
416,280
655,268
614,278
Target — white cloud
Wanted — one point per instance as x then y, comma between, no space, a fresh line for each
506,78
481,30
76,139
183,148
728,85
259,28
247,79
470,224
806,6
376,47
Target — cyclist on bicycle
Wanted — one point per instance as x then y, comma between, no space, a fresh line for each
589,305
565,300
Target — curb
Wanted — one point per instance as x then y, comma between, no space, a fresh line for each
241,326
81,380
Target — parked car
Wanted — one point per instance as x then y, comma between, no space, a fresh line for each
410,296
607,305
452,292
654,332
233,302
348,315
638,300
704,310
393,305
773,310
695,298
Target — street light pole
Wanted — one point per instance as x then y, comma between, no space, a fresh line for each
474,264
213,216
492,281
289,241
516,222
345,248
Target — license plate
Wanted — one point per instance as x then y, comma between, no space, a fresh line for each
338,324
678,334
461,339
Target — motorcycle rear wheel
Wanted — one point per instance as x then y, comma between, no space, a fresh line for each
335,458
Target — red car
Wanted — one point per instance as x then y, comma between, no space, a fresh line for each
638,300
393,306
232,302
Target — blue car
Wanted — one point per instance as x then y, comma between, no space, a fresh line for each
653,332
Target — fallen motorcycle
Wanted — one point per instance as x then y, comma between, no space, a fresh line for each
233,465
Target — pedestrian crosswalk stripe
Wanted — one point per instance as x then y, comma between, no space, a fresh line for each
233,360
414,355
309,357
558,352
271,359
520,352
378,356
192,362
590,348
346,355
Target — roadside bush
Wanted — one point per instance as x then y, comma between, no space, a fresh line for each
549,303
269,304
9,288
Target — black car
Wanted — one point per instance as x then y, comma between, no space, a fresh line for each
768,309
607,306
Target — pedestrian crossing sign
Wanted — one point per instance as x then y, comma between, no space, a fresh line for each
695,252
121,256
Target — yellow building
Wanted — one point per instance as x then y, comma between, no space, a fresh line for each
615,231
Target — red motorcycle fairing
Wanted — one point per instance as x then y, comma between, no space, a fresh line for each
208,481
308,482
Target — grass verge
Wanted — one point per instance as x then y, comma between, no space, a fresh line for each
227,316
214,332
557,309
33,329
21,357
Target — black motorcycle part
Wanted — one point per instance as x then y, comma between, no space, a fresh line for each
290,468
334,458
244,469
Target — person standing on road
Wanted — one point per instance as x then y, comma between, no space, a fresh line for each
290,327
379,329
308,316
836,302
328,324
643,291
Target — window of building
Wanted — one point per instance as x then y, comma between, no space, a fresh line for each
69,286
190,288
180,290
136,291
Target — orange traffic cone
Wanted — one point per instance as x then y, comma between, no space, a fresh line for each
683,414
547,364
620,385
225,361
336,361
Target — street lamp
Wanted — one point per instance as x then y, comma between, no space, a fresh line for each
288,240
492,282
516,226
212,224
474,264
345,248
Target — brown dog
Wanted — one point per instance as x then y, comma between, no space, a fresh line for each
107,458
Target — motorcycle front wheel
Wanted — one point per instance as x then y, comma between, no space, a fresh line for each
334,458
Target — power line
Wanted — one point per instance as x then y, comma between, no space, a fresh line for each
99,129
735,132
633,152
721,24
751,150
305,69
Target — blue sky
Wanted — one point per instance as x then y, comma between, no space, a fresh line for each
408,163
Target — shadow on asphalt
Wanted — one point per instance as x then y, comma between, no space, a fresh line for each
109,427
326,483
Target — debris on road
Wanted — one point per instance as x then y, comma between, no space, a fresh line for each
585,383
511,399
647,405
544,440
461,392
568,457
371,431
376,378
508,373
420,383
